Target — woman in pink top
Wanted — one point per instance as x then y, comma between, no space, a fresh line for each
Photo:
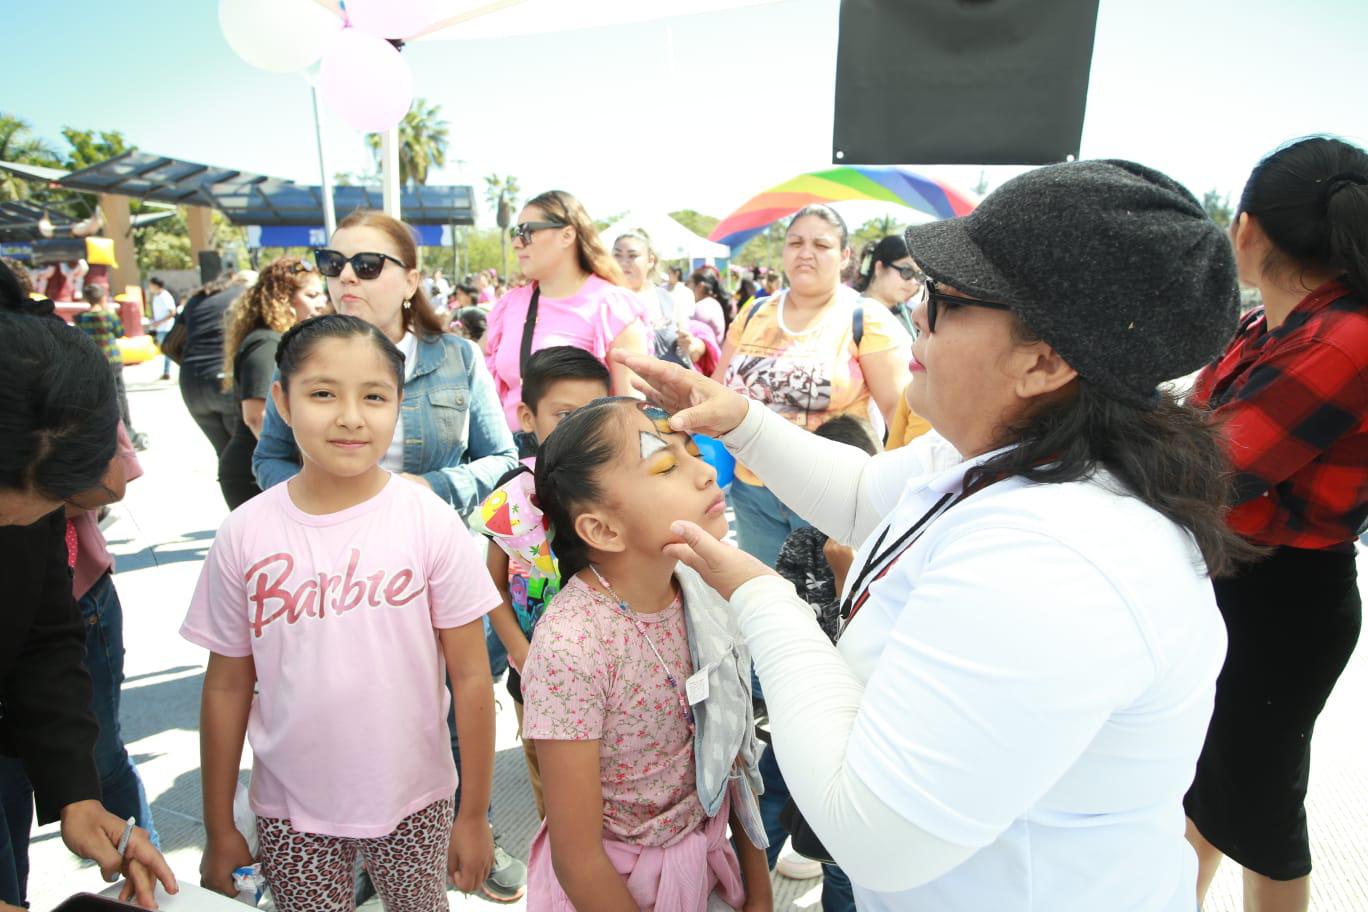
579,298
342,596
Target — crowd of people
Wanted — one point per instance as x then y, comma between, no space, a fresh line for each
1014,620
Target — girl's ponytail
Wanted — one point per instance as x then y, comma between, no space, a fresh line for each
567,476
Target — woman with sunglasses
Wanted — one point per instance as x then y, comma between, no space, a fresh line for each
808,353
1023,681
887,276
450,436
287,291
574,297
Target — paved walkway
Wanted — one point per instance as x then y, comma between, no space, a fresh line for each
160,534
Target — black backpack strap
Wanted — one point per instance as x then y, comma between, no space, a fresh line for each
745,322
529,327
857,326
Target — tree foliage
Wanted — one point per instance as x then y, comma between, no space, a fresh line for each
1217,205
19,144
422,142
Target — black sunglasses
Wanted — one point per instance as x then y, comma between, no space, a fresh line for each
365,265
523,231
936,299
906,273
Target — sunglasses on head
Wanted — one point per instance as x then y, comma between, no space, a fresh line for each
937,299
365,265
523,230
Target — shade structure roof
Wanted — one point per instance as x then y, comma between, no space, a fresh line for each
247,198
19,221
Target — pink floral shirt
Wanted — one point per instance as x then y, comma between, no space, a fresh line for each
590,675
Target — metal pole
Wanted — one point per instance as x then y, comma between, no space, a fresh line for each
329,213
389,170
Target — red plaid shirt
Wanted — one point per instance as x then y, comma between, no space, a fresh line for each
1292,405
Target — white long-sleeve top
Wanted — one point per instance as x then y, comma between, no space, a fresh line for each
1013,716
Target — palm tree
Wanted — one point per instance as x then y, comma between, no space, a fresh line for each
18,144
502,195
422,142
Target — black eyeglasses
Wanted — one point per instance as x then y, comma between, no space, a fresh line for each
936,299
523,231
365,265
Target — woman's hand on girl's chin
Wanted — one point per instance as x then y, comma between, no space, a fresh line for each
722,567
696,403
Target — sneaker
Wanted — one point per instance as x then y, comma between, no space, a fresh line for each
796,867
507,880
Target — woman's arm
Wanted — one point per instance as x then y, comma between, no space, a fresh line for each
225,704
840,489
631,340
253,413
471,850
905,776
490,452
275,458
886,374
574,822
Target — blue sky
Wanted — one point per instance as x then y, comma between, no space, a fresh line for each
1198,89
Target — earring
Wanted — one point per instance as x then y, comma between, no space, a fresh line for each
408,304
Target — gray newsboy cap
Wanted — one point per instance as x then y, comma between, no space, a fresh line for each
1115,265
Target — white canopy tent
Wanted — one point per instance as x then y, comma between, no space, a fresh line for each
671,240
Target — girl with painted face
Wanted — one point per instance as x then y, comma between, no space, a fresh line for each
610,687
341,595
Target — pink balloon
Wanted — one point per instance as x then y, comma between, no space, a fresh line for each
365,81
391,18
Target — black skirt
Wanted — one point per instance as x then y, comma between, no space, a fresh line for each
1293,620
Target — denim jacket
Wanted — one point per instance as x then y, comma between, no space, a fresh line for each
455,433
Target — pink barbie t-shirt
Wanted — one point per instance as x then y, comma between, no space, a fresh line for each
340,614
589,319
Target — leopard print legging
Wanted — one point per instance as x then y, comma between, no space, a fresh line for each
310,872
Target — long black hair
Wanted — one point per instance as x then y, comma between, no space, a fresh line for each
1311,199
1168,456
58,415
886,250
712,285
568,474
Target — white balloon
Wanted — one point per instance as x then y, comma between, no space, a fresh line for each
365,81
279,35
391,18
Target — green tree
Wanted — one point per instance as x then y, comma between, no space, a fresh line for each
90,148
422,142
18,144
695,221
502,195
1217,205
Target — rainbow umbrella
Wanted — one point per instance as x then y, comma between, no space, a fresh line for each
881,183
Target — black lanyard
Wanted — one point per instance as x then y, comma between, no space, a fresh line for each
879,562
529,327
